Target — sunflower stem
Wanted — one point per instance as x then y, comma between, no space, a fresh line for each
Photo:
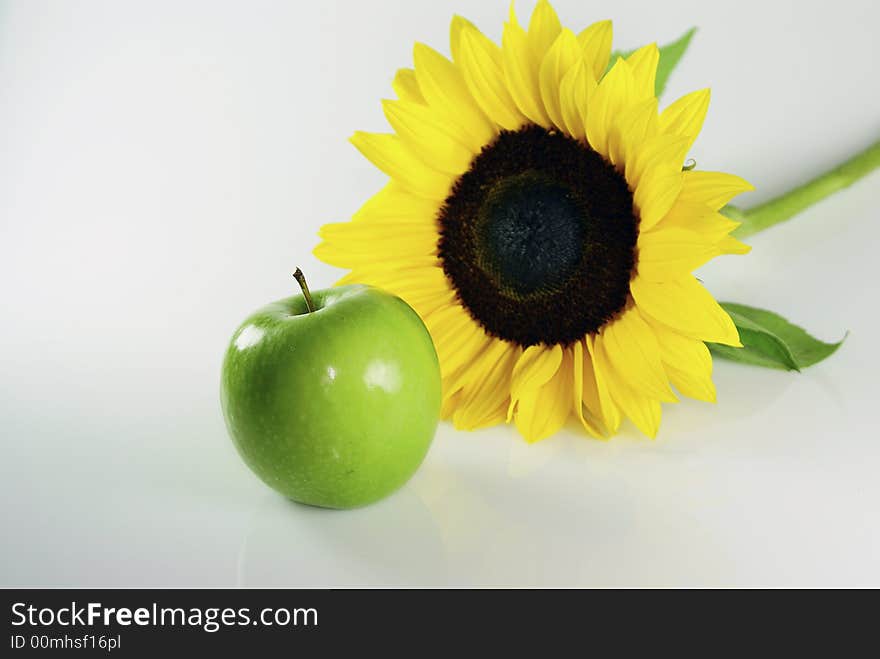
791,203
301,280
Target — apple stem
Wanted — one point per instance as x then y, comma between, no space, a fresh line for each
301,280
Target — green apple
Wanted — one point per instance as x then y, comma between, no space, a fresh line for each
332,398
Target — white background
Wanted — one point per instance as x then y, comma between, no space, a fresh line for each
165,165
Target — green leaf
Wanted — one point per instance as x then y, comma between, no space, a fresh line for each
670,55
771,341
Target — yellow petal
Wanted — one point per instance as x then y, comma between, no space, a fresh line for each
661,152
475,380
450,403
643,63
458,24
575,90
713,189
494,418
634,355
670,253
687,362
655,175
686,115
699,218
443,87
563,55
544,27
643,410
482,399
512,19
602,405
406,86
481,67
458,372
655,195
612,96
521,70
424,299
427,302
536,365
392,156
377,244
394,202
730,245
542,411
579,383
368,236
347,257
685,306
447,324
437,142
646,414
631,130
596,44
452,330
640,125
393,276
401,272
693,385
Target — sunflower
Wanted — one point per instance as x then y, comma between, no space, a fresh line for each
539,219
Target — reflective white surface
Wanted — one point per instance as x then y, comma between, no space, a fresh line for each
165,166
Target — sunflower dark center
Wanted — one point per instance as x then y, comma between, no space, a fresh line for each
538,238
529,233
